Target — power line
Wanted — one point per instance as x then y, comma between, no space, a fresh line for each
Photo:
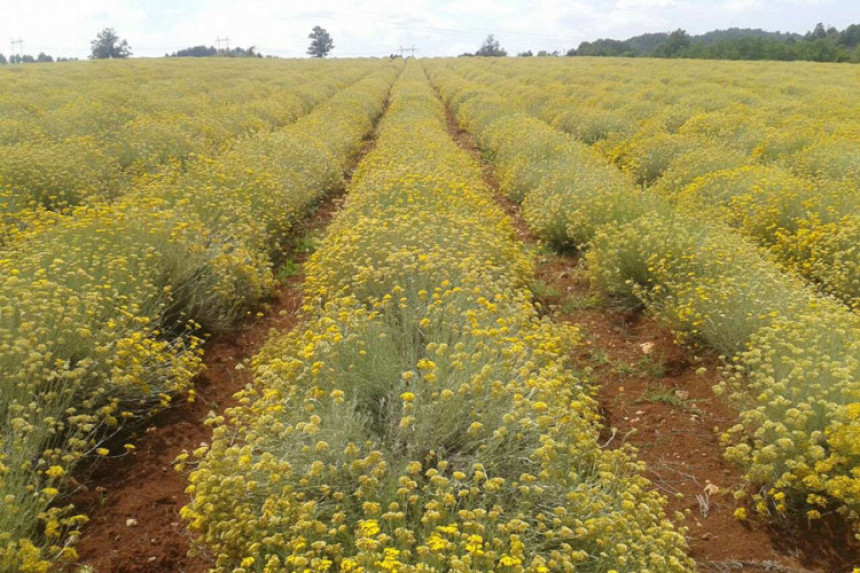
413,26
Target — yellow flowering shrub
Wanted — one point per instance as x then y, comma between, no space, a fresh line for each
812,228
827,253
800,376
686,168
58,174
830,158
592,124
566,190
423,418
647,155
732,123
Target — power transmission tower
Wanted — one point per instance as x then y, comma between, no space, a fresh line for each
225,41
20,43
412,50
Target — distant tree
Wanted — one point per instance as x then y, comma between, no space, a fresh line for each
200,51
210,51
571,52
3,61
251,52
321,43
43,57
525,54
605,47
544,53
818,33
491,48
109,45
820,50
678,41
850,36
28,59
644,44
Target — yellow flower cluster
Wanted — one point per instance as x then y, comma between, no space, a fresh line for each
423,418
100,307
90,131
812,228
794,356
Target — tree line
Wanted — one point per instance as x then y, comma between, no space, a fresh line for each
819,45
210,52
30,59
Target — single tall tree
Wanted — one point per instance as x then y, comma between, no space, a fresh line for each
109,45
321,42
491,48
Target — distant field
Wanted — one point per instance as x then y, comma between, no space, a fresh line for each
437,406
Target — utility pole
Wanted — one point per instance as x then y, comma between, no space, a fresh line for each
225,41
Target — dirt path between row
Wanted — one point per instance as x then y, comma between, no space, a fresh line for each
134,501
657,395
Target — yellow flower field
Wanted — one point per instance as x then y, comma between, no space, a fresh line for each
793,353
426,413
139,120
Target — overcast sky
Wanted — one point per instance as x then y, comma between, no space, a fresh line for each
380,27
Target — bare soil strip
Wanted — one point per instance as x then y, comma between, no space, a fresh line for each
657,395
133,502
